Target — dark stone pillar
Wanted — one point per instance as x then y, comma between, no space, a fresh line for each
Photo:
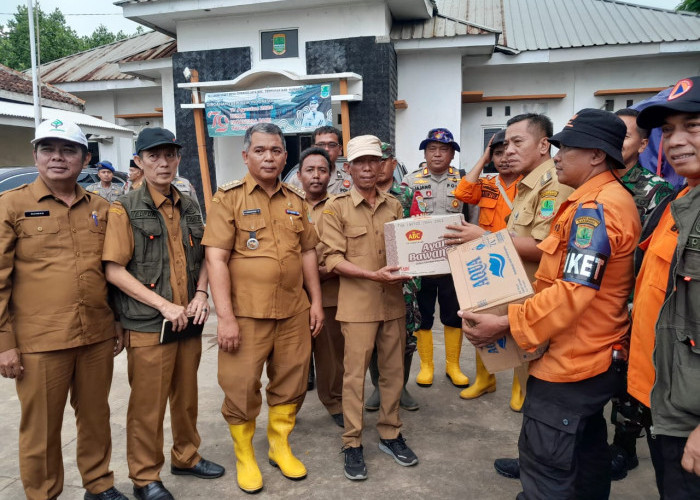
376,62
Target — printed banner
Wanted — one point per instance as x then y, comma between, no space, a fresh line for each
293,109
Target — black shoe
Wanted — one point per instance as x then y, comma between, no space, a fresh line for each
311,383
507,467
110,494
338,419
153,491
397,448
203,470
622,462
355,469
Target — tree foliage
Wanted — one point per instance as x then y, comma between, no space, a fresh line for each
56,38
689,6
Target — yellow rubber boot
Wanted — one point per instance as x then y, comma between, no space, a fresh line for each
517,396
281,420
484,383
425,352
247,471
453,348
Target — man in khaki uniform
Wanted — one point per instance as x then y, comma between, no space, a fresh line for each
57,331
328,347
261,253
371,308
154,239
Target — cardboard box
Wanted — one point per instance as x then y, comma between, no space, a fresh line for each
488,276
416,245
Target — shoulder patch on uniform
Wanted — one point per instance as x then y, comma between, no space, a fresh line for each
297,191
588,249
545,205
116,210
230,185
329,212
546,178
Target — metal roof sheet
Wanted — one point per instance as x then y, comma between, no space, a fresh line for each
556,24
553,24
88,123
101,63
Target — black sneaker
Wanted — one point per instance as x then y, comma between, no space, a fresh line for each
507,467
622,462
355,469
397,448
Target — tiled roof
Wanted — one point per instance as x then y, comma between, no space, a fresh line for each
20,84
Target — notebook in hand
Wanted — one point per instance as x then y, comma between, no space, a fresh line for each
167,334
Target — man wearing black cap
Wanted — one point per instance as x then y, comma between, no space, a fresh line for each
580,308
105,188
665,344
436,183
154,239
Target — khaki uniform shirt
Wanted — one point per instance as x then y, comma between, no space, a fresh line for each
266,235
53,292
353,231
438,191
329,287
119,248
110,193
539,196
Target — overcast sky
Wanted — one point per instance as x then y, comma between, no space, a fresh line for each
84,16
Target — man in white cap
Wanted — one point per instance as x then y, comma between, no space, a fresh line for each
371,308
57,332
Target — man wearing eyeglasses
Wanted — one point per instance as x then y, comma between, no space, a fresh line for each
330,139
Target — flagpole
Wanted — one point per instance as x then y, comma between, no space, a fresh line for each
35,77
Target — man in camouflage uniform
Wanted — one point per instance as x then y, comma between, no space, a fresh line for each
411,207
105,188
648,191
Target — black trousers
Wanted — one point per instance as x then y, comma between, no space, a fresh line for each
673,482
443,289
563,444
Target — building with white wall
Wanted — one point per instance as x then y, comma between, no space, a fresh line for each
412,65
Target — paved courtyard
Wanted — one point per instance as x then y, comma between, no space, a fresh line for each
455,440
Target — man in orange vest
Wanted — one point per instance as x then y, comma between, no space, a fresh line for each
580,307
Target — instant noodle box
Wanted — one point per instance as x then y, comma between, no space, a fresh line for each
417,245
488,276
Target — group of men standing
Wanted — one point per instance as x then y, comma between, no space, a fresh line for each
293,271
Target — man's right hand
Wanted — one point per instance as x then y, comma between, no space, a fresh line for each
175,314
384,275
228,335
11,364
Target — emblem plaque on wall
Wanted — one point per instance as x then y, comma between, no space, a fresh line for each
279,44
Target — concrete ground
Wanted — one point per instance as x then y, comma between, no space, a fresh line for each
455,440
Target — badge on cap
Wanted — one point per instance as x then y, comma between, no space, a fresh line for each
680,88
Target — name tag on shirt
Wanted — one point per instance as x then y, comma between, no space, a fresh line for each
37,213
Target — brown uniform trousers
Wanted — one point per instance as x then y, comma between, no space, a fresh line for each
158,374
328,346
537,200
369,313
267,293
53,307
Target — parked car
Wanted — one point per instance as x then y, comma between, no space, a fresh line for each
12,177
